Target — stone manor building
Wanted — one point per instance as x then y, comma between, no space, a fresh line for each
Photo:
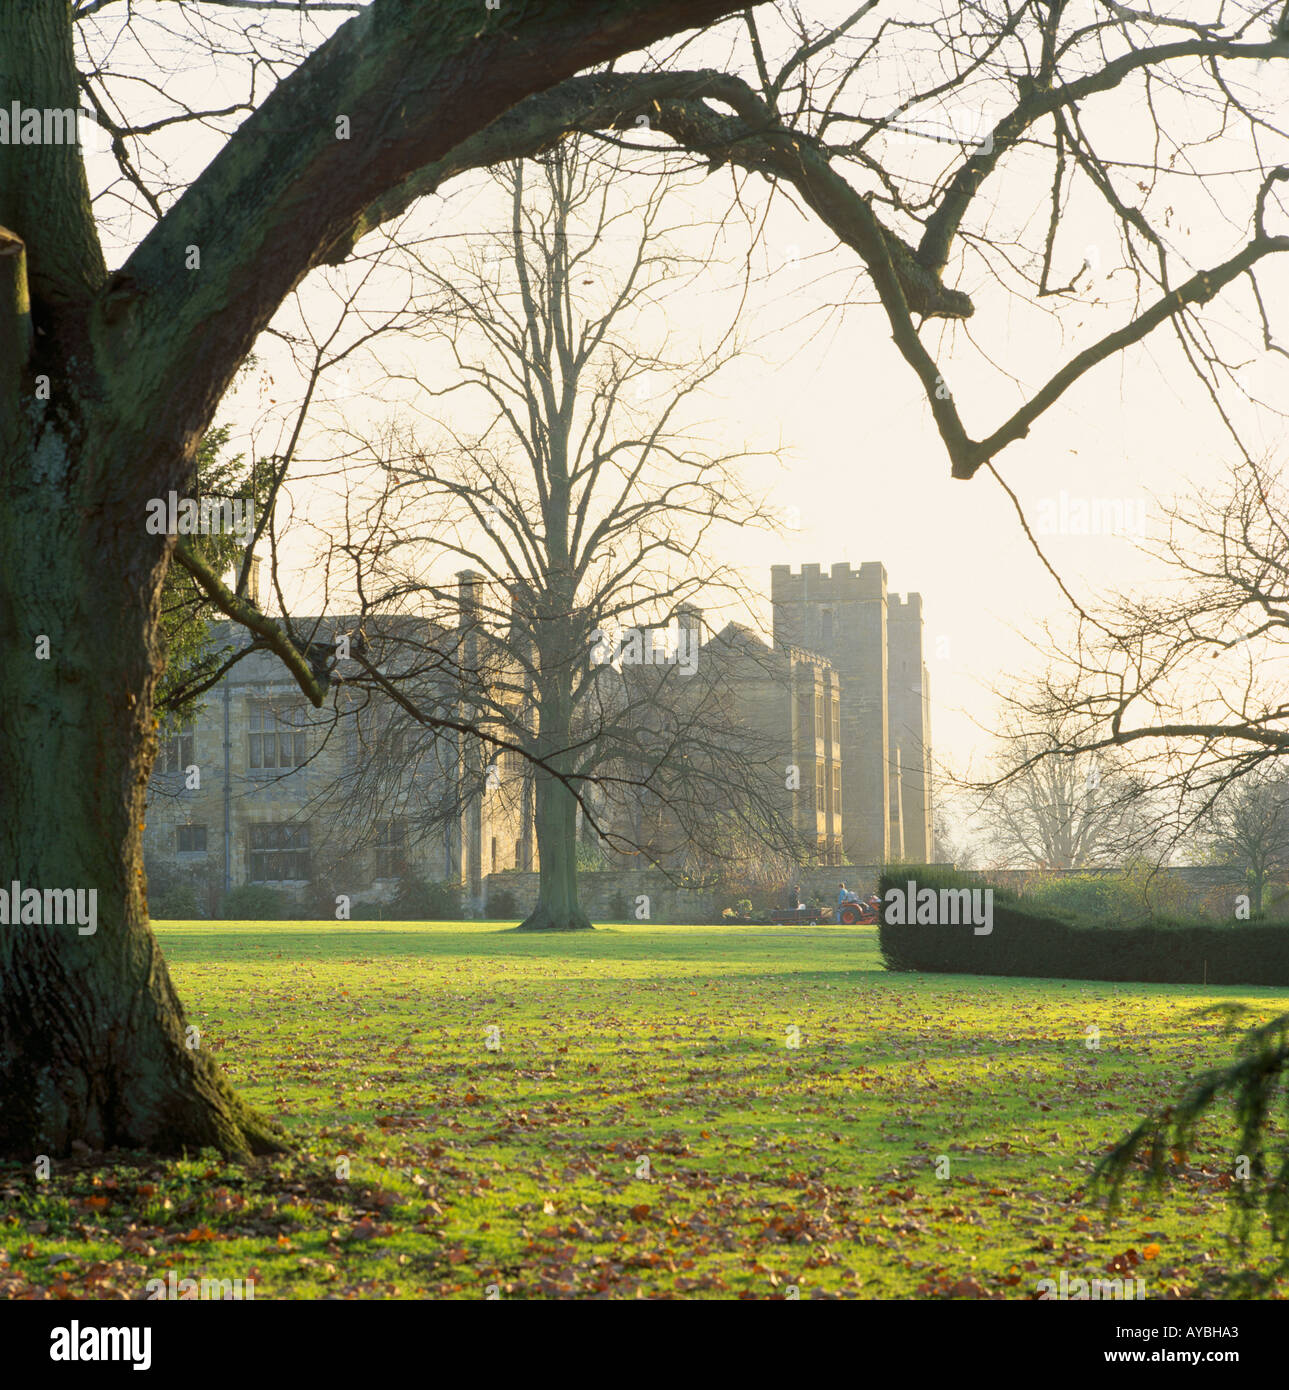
260,788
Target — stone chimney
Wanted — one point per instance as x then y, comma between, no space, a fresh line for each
253,581
689,616
469,596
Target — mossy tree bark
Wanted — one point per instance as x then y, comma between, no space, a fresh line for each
106,385
555,822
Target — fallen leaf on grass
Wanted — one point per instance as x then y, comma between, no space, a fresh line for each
197,1235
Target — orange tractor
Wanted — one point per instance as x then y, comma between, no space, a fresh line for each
863,913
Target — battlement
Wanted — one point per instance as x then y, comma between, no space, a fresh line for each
842,584
904,608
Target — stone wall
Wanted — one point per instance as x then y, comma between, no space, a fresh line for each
668,903
603,893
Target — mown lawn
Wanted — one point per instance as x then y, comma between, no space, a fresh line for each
642,1125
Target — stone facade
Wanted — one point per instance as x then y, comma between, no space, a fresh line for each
789,700
254,790
909,730
873,641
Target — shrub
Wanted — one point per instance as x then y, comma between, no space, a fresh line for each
173,901
501,904
590,858
1100,896
1136,893
334,874
750,898
618,909
418,900
253,902
1216,904
1157,893
370,910
181,891
1025,941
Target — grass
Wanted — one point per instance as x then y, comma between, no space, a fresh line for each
643,1124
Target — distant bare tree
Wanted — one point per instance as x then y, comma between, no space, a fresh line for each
1248,829
949,844
1188,678
1051,809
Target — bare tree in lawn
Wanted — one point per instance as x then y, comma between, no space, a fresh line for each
578,506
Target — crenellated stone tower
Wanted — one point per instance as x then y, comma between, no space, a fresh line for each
909,721
874,641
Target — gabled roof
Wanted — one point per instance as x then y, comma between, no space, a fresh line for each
738,639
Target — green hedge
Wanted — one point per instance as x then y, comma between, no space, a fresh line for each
1032,942
173,902
253,903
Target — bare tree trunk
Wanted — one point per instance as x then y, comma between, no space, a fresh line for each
93,1042
556,818
557,907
